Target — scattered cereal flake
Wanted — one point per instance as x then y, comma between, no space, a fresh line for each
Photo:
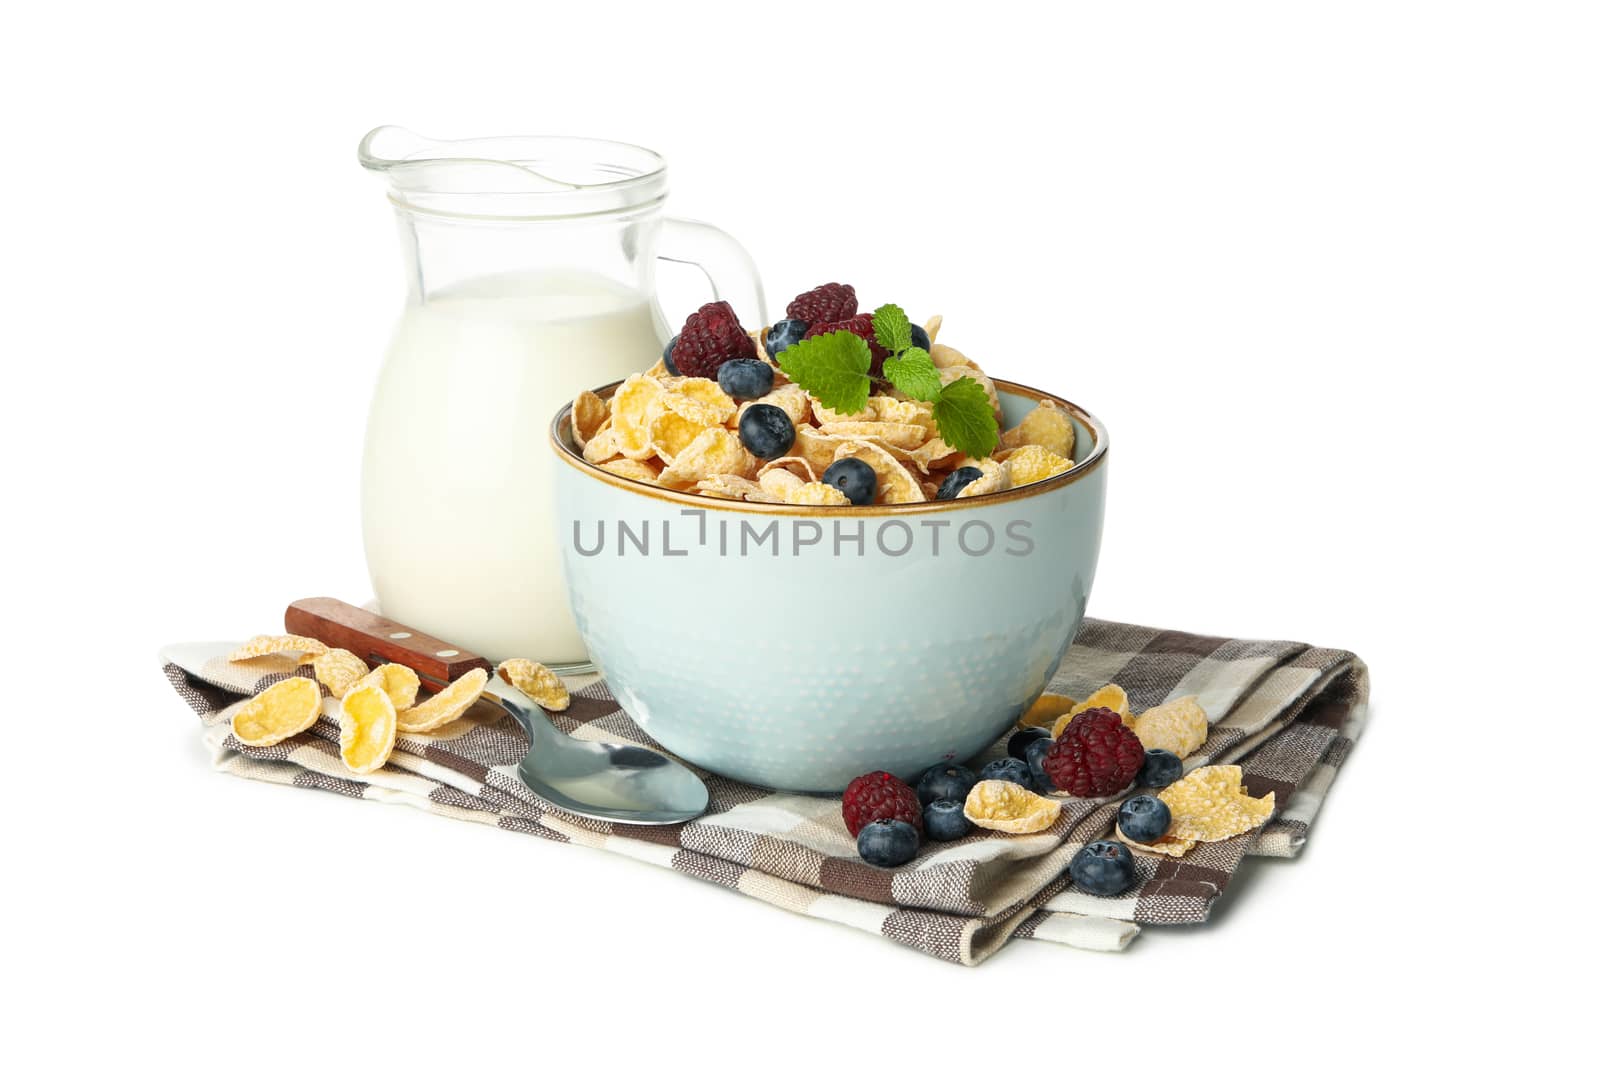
1161,846
537,682
278,712
1035,463
1179,726
1008,807
588,413
1048,427
1210,804
1113,697
902,435
602,446
269,645
715,451
658,369
340,670
996,478
1110,697
632,469
366,728
1046,710
896,485
398,681
445,706
699,400
932,326
631,407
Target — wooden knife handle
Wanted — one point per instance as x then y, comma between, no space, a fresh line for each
379,640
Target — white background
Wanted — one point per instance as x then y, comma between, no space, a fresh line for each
1328,272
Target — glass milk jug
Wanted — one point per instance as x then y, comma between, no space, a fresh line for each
530,268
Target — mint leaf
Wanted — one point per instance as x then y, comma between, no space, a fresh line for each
913,374
892,328
833,368
965,419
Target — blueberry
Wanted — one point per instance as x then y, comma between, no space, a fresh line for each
945,781
919,337
766,431
1017,744
745,379
853,478
1161,768
956,481
666,356
887,842
1103,868
1035,758
945,821
1007,770
784,333
1144,818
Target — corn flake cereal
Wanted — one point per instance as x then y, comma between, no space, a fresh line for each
340,670
631,407
267,645
445,706
366,728
699,400
1166,845
902,435
996,477
1046,710
1009,808
632,469
679,432
1035,463
671,432
278,712
537,682
896,485
1210,804
715,451
1048,427
398,681
588,414
1179,726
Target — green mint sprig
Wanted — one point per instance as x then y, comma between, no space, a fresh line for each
836,369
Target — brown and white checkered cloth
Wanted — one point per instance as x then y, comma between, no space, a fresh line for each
1287,712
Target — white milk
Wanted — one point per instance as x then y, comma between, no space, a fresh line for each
456,498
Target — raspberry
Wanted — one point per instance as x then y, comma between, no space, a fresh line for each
861,326
880,795
709,338
1095,756
826,303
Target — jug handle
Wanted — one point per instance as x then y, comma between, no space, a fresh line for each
724,262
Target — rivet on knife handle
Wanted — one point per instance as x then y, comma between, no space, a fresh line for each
379,640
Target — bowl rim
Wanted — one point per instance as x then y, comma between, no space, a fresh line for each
568,452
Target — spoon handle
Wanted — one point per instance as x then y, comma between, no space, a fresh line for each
379,640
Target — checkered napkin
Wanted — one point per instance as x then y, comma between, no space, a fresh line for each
1287,712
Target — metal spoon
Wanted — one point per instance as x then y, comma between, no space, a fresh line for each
613,783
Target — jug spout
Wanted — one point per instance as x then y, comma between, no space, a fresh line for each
513,177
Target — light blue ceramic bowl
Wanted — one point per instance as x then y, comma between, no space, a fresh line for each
798,647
